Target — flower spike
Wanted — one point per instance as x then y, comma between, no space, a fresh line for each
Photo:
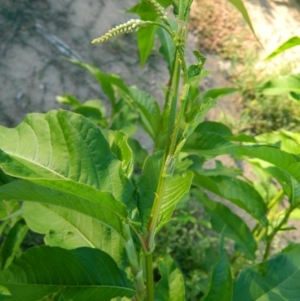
130,26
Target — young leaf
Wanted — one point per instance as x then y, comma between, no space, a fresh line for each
167,48
146,35
108,82
70,229
62,150
290,43
275,279
99,205
221,279
147,185
242,9
176,187
216,93
236,228
68,100
80,274
11,243
148,110
236,191
119,146
171,284
281,85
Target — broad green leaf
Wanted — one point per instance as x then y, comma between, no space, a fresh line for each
99,205
64,151
70,229
167,48
236,228
276,279
148,110
164,3
236,191
11,243
119,146
80,274
108,82
242,9
171,285
69,100
281,85
221,279
217,93
290,43
211,144
176,187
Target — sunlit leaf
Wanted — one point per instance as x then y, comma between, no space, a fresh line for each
70,229
171,284
290,43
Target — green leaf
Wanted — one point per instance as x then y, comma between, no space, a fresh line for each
176,187
212,144
281,85
242,9
69,100
276,279
70,229
236,228
148,110
145,35
217,93
123,118
63,151
119,146
221,279
94,110
99,205
290,43
11,243
108,82
167,48
236,191
147,185
171,284
81,274
139,153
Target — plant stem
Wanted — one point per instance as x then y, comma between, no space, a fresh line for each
274,232
149,277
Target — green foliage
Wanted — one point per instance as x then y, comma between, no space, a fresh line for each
100,199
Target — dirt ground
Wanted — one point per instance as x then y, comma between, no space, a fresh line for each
37,35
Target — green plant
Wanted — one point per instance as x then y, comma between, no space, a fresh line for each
100,199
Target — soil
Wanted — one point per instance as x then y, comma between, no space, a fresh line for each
36,37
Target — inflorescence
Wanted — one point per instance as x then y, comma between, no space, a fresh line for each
130,26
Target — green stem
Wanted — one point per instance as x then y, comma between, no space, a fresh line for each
134,263
275,231
149,277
